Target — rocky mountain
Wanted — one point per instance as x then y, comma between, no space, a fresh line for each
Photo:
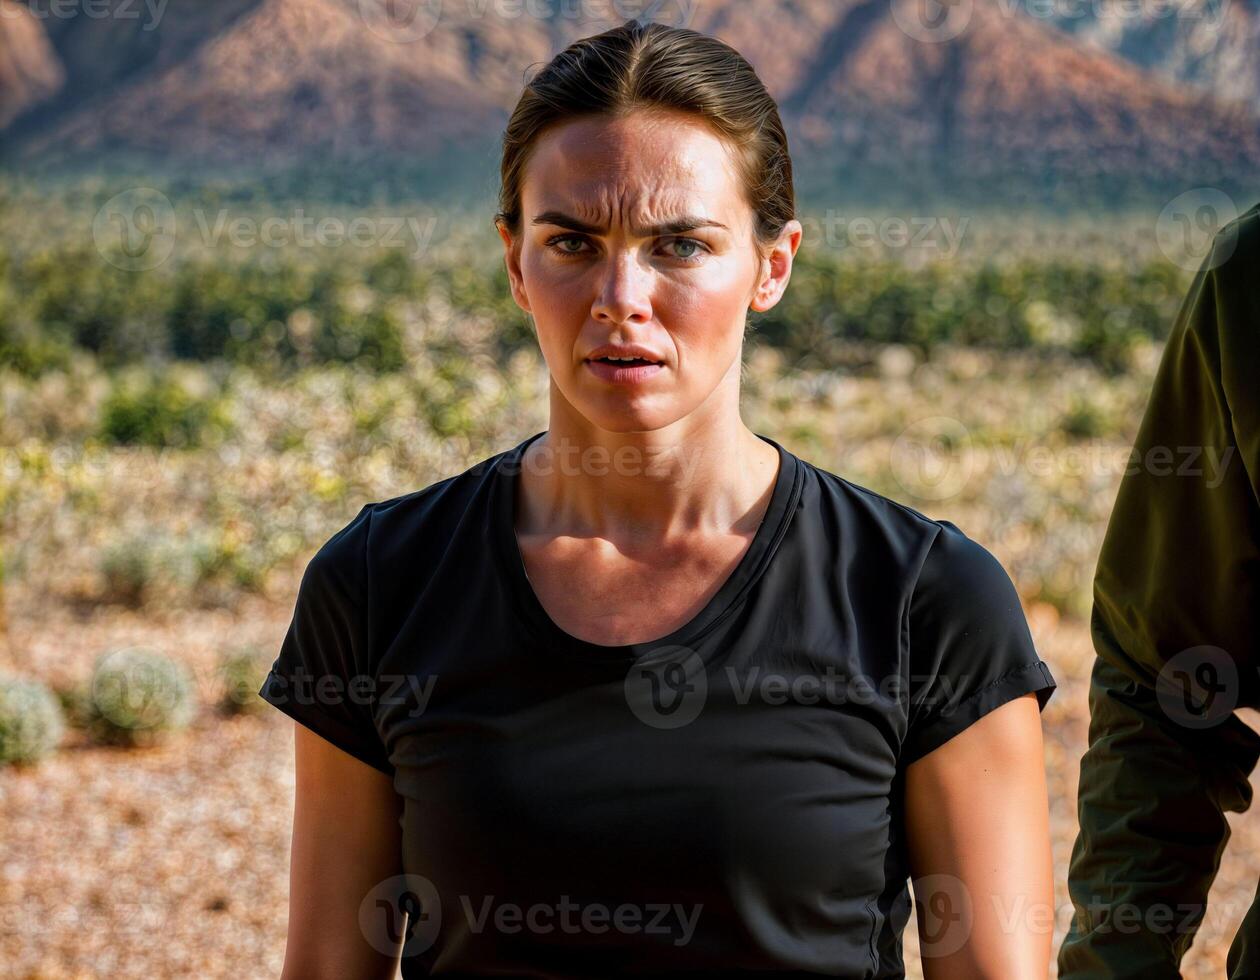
1213,45
262,81
1006,93
863,85
30,71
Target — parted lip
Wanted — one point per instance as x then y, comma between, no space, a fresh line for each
625,350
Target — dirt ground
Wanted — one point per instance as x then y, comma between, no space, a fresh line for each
173,861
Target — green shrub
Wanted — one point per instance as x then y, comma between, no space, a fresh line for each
1083,420
31,721
222,564
138,697
74,704
128,567
159,411
242,674
206,567
28,350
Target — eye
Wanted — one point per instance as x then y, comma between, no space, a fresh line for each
552,243
556,244
687,243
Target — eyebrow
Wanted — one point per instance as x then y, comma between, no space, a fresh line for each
675,226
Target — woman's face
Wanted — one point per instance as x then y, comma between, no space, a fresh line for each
636,231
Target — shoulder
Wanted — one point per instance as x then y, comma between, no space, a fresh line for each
1221,300
1234,308
1205,383
941,567
969,646
883,530
961,578
1235,249
395,540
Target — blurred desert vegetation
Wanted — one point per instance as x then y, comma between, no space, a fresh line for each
179,437
179,433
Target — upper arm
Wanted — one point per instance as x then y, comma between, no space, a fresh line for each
1177,568
969,646
346,851
976,812
978,839
1175,615
346,844
324,675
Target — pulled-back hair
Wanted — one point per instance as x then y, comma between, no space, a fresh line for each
653,66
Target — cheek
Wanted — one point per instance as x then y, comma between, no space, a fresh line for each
705,315
703,309
556,291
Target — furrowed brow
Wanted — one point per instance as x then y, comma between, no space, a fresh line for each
675,226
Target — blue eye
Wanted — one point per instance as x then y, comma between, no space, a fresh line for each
687,241
554,244
551,243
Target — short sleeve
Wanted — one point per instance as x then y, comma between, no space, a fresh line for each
321,677
970,649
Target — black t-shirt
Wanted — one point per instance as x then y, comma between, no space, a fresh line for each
726,799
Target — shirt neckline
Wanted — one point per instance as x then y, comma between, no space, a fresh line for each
751,566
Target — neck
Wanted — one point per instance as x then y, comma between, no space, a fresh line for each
696,475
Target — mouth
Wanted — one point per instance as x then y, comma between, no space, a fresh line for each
627,371
624,361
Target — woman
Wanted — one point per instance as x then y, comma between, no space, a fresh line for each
647,693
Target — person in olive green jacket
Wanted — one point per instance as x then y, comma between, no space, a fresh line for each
1176,628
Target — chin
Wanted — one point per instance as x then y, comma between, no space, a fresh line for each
624,417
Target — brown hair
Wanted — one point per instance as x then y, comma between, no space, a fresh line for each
654,66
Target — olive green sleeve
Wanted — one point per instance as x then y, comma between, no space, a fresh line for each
1175,624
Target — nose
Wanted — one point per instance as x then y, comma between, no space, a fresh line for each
625,291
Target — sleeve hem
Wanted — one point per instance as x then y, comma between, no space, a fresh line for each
1029,678
329,729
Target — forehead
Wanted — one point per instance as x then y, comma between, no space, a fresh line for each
645,165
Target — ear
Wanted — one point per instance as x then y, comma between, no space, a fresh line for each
777,268
512,260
